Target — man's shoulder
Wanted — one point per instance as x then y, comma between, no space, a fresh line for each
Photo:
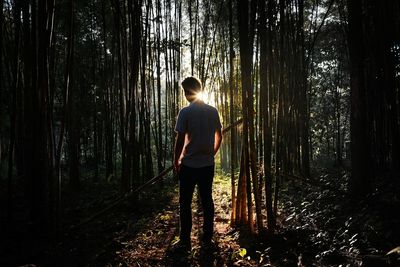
211,108
183,110
203,108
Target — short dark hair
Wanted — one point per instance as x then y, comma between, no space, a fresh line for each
191,85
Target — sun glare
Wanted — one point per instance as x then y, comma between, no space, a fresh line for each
201,96
207,97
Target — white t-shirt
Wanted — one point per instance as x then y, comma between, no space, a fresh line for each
199,122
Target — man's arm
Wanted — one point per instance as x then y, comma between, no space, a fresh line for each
218,140
179,142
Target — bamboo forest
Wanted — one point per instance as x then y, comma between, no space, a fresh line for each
200,133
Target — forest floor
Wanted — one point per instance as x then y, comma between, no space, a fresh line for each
317,225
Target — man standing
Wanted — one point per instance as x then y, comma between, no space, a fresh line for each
198,139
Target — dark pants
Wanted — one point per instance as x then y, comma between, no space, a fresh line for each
188,178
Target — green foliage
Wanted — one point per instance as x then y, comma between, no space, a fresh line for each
165,217
240,253
329,92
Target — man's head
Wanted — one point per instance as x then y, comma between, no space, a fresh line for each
192,86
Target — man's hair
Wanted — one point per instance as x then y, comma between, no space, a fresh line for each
191,85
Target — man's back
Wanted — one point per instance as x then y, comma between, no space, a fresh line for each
199,122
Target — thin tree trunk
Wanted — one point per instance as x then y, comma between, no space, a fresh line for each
17,21
361,175
68,77
232,112
245,43
265,47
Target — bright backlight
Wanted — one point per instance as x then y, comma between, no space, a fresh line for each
206,97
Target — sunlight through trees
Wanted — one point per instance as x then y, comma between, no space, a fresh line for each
90,91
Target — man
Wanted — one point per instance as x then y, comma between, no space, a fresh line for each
198,139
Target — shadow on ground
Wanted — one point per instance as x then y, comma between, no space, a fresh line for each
198,256
98,243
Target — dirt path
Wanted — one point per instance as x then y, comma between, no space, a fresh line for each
151,246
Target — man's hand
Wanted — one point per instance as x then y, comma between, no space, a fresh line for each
177,167
217,140
180,141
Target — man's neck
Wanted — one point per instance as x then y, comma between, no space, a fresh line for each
197,101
